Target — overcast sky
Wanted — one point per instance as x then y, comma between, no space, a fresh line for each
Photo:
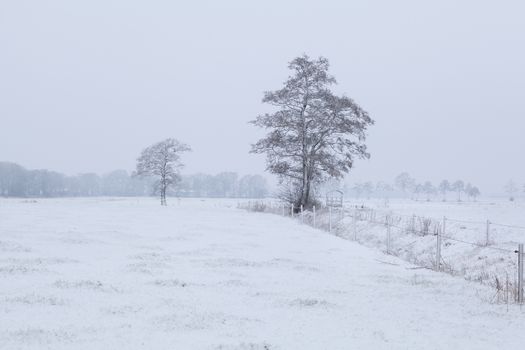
85,85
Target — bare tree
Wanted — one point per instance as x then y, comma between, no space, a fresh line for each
162,161
404,182
417,189
314,135
468,190
473,192
458,186
444,187
429,189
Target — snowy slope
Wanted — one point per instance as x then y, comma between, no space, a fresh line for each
200,274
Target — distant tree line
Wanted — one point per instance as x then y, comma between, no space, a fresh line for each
17,181
223,185
406,186
409,186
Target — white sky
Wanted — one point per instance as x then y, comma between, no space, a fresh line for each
84,86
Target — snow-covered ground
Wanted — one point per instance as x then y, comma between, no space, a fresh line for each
479,240
202,274
497,210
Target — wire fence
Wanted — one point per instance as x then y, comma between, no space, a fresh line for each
483,251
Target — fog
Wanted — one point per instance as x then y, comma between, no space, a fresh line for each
85,86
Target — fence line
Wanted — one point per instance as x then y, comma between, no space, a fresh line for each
388,221
419,226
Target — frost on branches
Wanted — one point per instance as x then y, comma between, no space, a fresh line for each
314,135
162,161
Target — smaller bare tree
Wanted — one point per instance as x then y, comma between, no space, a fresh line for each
473,192
459,187
404,182
429,189
417,189
444,187
162,161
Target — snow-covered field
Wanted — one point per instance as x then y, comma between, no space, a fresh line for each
202,274
478,240
497,210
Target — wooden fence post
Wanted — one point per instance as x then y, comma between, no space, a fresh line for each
487,238
314,214
520,273
439,233
388,234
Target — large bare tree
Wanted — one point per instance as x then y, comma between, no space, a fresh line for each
162,161
314,134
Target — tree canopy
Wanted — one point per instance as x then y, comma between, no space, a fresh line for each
162,160
314,134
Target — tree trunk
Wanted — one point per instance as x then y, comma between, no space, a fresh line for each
163,192
307,194
304,196
304,192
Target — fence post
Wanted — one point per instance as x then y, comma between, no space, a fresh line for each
284,212
413,224
302,215
388,228
329,219
291,211
314,214
438,244
520,273
487,238
507,290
